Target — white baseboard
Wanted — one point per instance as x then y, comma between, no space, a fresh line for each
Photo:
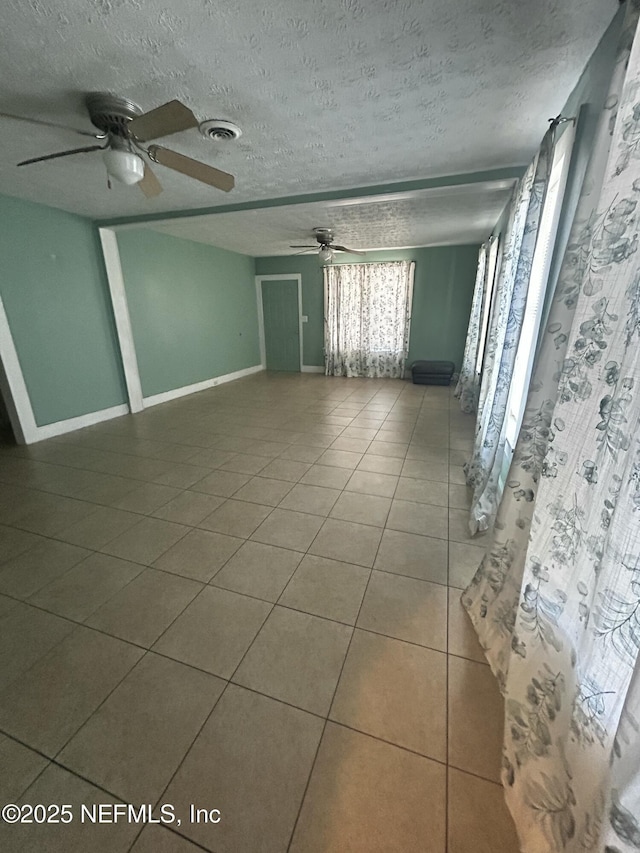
61,427
166,396
311,368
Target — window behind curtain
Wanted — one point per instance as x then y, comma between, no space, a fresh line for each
367,318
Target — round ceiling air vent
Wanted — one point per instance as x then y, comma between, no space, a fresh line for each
218,130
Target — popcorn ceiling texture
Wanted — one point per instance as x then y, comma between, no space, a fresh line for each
330,94
457,215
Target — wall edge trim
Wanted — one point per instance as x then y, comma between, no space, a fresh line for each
312,368
186,390
79,422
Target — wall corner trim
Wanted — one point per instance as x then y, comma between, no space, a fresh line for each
185,390
113,267
40,433
312,368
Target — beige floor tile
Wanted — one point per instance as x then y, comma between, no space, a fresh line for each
426,453
316,500
459,529
470,802
7,604
456,475
301,453
243,463
56,785
395,691
412,517
347,541
359,432
147,498
416,469
263,490
365,795
364,509
182,476
222,483
99,528
286,469
259,570
407,609
325,475
476,719
108,490
340,459
255,755
463,640
134,743
423,491
158,839
236,518
371,483
52,514
353,445
199,555
380,464
146,541
189,508
315,439
25,574
26,635
14,542
144,608
416,556
215,631
394,449
464,561
296,658
79,592
20,766
287,529
42,711
460,496
327,588
212,458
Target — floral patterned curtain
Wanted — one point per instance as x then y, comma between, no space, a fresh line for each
367,316
556,600
468,387
484,468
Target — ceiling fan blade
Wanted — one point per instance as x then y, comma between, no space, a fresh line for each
62,154
163,121
305,246
303,252
192,168
53,124
344,249
150,185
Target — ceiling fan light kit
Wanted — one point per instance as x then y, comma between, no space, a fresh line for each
328,248
124,128
124,166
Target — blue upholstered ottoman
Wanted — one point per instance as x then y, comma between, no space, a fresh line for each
432,372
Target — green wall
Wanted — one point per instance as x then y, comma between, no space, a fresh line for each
192,307
442,292
55,294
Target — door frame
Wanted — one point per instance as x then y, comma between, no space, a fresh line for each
291,276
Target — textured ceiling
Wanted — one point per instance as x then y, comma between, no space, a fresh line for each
464,214
330,94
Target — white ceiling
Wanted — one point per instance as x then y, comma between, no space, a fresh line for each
331,94
463,214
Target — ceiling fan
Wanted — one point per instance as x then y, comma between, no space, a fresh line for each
123,128
324,236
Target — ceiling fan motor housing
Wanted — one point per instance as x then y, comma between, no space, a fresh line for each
111,114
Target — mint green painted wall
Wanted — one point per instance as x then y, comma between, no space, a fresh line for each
55,294
442,292
192,306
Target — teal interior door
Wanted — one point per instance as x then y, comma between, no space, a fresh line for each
281,329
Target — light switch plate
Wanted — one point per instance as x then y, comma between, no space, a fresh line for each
305,319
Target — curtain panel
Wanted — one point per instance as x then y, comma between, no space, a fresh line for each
556,600
484,468
468,387
367,318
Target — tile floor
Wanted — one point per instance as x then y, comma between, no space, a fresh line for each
248,600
